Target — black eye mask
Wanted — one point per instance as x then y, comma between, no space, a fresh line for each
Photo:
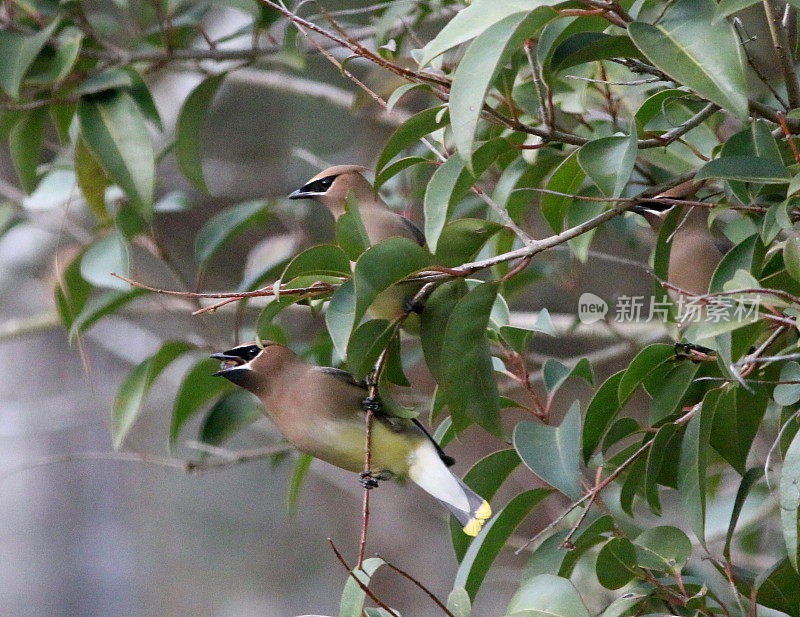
319,186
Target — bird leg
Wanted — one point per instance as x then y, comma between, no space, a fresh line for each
370,479
695,353
412,305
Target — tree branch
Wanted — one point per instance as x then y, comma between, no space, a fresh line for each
780,42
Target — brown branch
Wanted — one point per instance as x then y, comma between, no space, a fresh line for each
427,591
789,138
780,42
363,587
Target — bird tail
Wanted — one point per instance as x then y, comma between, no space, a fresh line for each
431,474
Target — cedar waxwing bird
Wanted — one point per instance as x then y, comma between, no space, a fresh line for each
695,252
319,410
332,188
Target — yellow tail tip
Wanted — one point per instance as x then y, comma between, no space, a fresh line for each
475,524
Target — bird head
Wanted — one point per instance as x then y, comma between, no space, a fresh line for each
332,186
250,365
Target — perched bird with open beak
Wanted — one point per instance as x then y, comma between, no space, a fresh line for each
319,410
695,252
333,187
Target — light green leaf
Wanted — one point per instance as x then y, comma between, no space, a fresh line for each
25,146
352,603
791,257
366,344
223,227
547,595
608,161
299,473
471,21
134,389
482,61
409,134
698,52
461,240
438,195
663,548
567,179
98,307
552,453
107,255
788,393
115,133
340,316
321,259
458,603
18,52
492,538
189,129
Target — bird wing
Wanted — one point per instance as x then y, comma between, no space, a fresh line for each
415,231
394,423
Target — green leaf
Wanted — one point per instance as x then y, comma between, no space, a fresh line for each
554,374
189,129
729,7
663,445
663,548
485,478
104,256
92,181
790,498
450,182
410,132
547,595
224,226
470,22
367,343
585,47
749,479
777,588
340,316
18,52
671,389
458,603
602,409
433,322
788,393
608,161
352,603
231,413
482,61
390,171
645,362
115,133
552,453
25,146
462,239
567,179
325,259
56,60
383,265
98,307
745,169
492,538
470,388
110,79
737,418
197,388
134,389
616,563
692,468
704,55
791,257
72,292
301,468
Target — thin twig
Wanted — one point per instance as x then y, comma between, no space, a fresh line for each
427,591
780,41
363,587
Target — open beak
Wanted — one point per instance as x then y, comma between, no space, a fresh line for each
228,362
299,194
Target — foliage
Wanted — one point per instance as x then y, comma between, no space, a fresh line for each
531,113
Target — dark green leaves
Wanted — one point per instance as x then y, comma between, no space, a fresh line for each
487,544
698,52
410,133
199,386
467,376
189,129
222,227
552,453
745,169
114,130
616,563
133,390
692,467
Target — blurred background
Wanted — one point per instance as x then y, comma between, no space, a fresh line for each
84,533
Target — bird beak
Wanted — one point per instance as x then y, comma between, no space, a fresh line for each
229,364
297,194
